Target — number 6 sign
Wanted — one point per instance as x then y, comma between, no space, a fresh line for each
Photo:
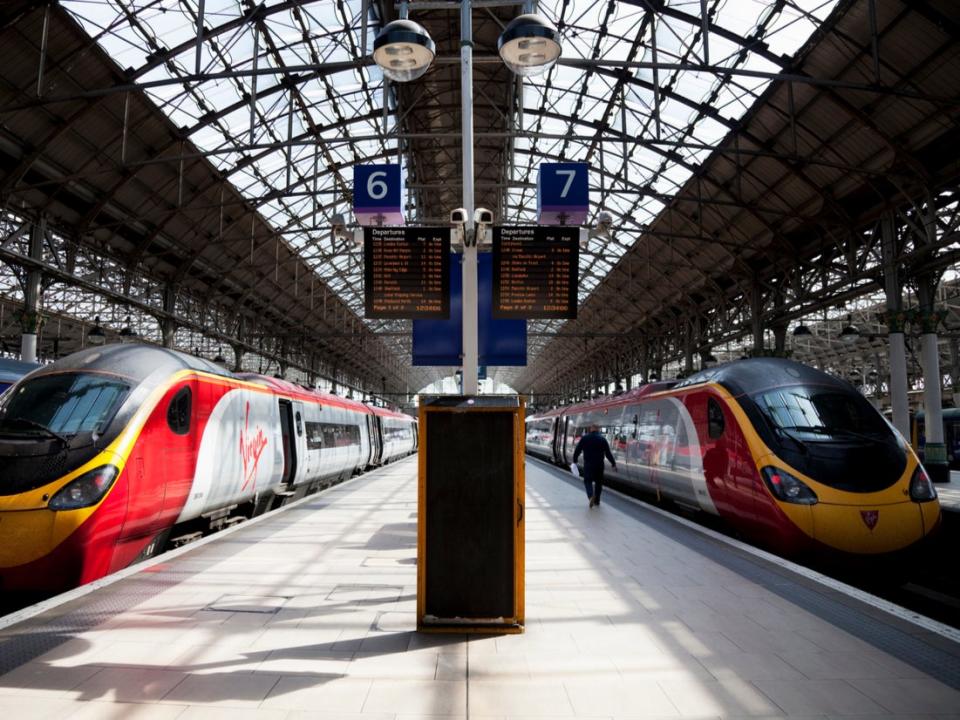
563,194
377,194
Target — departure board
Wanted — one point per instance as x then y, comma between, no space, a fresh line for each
535,272
406,273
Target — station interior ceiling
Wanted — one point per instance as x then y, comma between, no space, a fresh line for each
767,166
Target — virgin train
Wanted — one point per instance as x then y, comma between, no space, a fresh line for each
790,457
111,451
13,370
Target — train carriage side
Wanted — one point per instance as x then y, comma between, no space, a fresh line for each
397,432
323,438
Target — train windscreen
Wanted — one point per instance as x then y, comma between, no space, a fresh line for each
833,436
63,404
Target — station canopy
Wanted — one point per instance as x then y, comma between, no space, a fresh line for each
713,130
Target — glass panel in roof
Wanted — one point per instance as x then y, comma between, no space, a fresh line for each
348,104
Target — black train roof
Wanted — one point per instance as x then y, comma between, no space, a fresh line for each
744,377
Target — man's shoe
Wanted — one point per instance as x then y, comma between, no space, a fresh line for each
593,502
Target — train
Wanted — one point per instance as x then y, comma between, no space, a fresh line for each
13,370
113,453
788,457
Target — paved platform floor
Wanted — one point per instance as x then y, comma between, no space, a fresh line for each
950,492
311,614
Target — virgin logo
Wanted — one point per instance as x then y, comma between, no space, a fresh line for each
251,448
870,518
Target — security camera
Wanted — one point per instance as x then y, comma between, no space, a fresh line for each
459,219
603,226
482,216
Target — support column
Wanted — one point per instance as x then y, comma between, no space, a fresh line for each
934,451
30,320
168,326
756,318
238,353
955,371
895,320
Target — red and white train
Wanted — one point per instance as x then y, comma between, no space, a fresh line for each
108,452
792,458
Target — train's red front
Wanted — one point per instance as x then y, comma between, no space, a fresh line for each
790,457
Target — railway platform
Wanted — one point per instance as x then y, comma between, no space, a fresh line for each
310,613
949,493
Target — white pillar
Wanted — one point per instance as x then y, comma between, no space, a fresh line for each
28,347
30,323
895,322
933,403
898,384
469,268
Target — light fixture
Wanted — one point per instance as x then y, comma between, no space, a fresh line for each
96,336
849,333
529,45
404,50
127,332
801,331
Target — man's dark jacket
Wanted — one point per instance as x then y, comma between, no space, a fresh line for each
594,446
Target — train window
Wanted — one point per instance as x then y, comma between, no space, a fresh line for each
178,412
299,425
715,421
331,435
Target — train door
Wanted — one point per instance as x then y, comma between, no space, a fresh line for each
613,426
559,432
288,443
303,470
376,439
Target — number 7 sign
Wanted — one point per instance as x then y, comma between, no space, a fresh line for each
377,194
563,193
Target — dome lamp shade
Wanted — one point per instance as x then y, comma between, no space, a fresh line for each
404,50
529,45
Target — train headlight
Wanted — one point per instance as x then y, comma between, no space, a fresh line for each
786,487
921,486
86,490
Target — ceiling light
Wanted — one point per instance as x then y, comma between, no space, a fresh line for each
404,50
127,333
849,333
96,336
529,45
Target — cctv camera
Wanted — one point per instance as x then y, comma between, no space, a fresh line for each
459,216
483,216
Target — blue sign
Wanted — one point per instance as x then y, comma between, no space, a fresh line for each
563,193
440,342
378,194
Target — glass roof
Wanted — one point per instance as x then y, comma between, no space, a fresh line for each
320,109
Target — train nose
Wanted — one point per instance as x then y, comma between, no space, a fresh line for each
864,528
25,535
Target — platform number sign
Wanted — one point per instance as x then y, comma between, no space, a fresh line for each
377,194
563,193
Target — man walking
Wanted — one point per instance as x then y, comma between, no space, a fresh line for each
594,446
